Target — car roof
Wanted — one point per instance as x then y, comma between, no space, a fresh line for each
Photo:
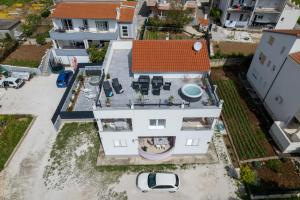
10,79
165,179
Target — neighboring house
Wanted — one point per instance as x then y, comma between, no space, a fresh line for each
161,7
11,27
278,14
78,26
275,76
157,121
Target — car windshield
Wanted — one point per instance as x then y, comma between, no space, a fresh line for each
18,81
151,180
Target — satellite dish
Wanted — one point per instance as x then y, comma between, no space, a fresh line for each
197,46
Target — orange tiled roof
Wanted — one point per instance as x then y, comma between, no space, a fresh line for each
95,11
296,57
286,31
168,56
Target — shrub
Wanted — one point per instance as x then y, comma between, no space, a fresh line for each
215,13
45,13
30,24
40,39
97,55
247,175
274,165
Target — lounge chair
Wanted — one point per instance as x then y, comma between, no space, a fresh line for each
117,86
167,86
107,89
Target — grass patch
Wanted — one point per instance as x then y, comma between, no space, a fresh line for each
12,128
247,141
23,63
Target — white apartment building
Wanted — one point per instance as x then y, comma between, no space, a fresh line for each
278,14
168,105
79,25
275,76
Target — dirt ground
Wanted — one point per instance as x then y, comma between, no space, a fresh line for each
28,52
234,47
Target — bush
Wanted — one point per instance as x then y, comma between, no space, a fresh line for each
215,13
274,165
40,39
30,24
247,175
97,55
8,46
45,13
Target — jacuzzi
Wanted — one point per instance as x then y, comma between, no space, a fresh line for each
191,92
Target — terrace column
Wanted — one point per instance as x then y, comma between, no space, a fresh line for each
86,44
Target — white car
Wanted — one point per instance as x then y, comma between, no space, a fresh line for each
157,182
12,82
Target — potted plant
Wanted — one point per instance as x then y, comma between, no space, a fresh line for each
108,76
105,126
107,102
170,100
144,148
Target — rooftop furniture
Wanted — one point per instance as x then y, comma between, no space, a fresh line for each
167,86
144,80
135,85
107,89
144,89
157,80
156,91
117,86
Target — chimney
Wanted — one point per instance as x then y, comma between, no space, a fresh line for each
118,13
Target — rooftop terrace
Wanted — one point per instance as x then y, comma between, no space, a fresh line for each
119,67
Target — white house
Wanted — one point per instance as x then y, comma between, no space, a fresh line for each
79,25
169,106
278,14
10,27
275,75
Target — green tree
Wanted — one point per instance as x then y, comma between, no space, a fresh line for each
247,175
45,13
30,24
215,13
41,39
177,16
97,55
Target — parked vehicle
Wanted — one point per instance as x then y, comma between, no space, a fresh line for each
11,82
157,182
22,75
64,78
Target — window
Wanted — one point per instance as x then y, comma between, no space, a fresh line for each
124,30
282,49
269,63
271,40
192,142
102,25
260,16
67,24
120,143
262,58
85,24
157,123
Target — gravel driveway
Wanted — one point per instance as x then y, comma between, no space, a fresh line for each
22,178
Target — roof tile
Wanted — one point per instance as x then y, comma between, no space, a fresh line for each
169,56
296,57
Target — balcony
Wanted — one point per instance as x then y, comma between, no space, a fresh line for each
195,124
236,24
261,9
240,8
116,125
156,148
62,34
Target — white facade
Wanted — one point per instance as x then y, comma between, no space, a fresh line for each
187,138
278,14
274,75
73,40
